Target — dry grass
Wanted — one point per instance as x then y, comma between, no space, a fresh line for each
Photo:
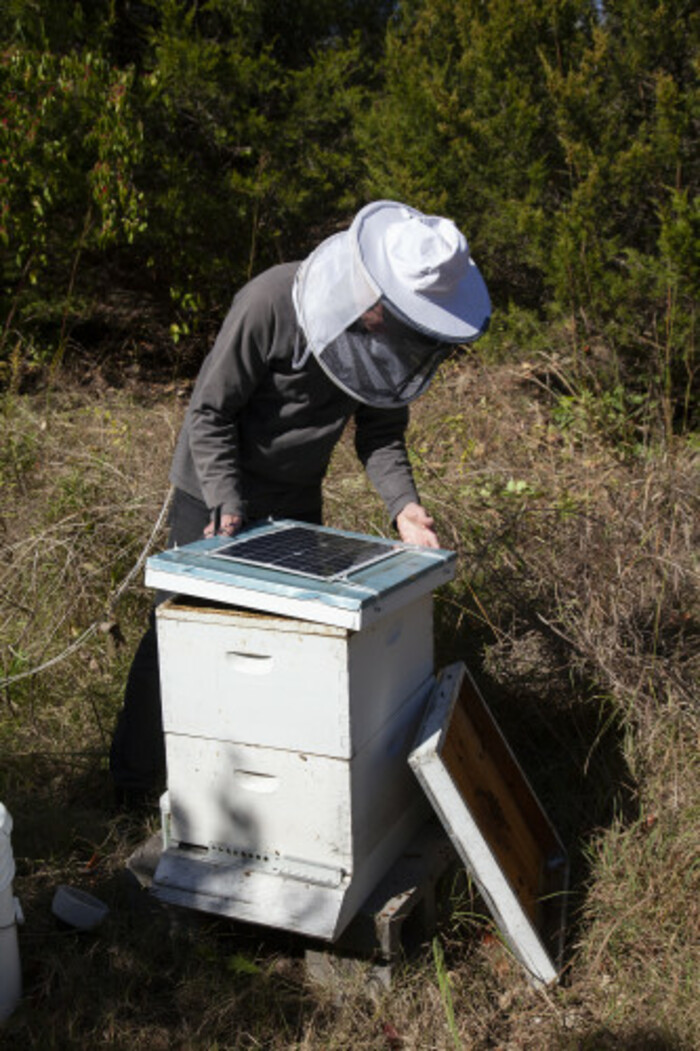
576,605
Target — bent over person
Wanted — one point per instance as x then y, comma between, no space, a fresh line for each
355,330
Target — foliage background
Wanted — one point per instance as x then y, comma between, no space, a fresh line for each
166,150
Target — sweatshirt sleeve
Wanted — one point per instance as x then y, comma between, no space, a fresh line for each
229,375
381,447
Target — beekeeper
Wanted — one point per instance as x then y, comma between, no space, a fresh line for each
355,330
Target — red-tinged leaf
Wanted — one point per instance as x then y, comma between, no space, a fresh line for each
393,1039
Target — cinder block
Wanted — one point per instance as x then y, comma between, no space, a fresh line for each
400,914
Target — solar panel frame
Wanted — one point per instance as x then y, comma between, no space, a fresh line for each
339,555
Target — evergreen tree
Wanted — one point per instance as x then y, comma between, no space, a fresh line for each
464,124
562,136
627,244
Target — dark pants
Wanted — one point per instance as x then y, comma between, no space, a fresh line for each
137,755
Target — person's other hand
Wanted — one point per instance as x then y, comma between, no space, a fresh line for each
415,526
228,526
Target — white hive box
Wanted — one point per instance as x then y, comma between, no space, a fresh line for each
285,838
286,683
289,792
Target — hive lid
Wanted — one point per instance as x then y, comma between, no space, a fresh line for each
494,820
349,580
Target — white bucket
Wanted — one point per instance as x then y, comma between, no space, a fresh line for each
10,974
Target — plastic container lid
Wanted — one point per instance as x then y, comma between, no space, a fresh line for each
77,908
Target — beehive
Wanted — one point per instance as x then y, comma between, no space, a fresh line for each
287,736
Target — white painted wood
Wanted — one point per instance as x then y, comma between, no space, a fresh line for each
258,679
287,839
269,803
212,804
311,609
253,895
467,837
310,900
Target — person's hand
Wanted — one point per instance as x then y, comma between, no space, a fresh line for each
415,526
229,525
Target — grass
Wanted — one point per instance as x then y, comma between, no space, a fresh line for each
576,607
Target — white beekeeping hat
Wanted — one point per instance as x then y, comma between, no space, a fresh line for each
432,295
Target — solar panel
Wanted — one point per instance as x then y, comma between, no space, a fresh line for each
307,551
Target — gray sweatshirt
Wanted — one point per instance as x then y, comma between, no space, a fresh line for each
259,431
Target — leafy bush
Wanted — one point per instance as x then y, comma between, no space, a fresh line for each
70,142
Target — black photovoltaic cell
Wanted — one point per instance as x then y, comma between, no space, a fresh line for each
303,549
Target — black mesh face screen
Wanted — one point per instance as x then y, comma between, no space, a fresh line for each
373,372
302,549
386,366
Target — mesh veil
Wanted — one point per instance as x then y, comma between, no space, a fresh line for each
331,291
385,367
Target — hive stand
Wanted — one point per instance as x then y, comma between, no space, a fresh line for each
398,916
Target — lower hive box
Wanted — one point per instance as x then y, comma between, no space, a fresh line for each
284,838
